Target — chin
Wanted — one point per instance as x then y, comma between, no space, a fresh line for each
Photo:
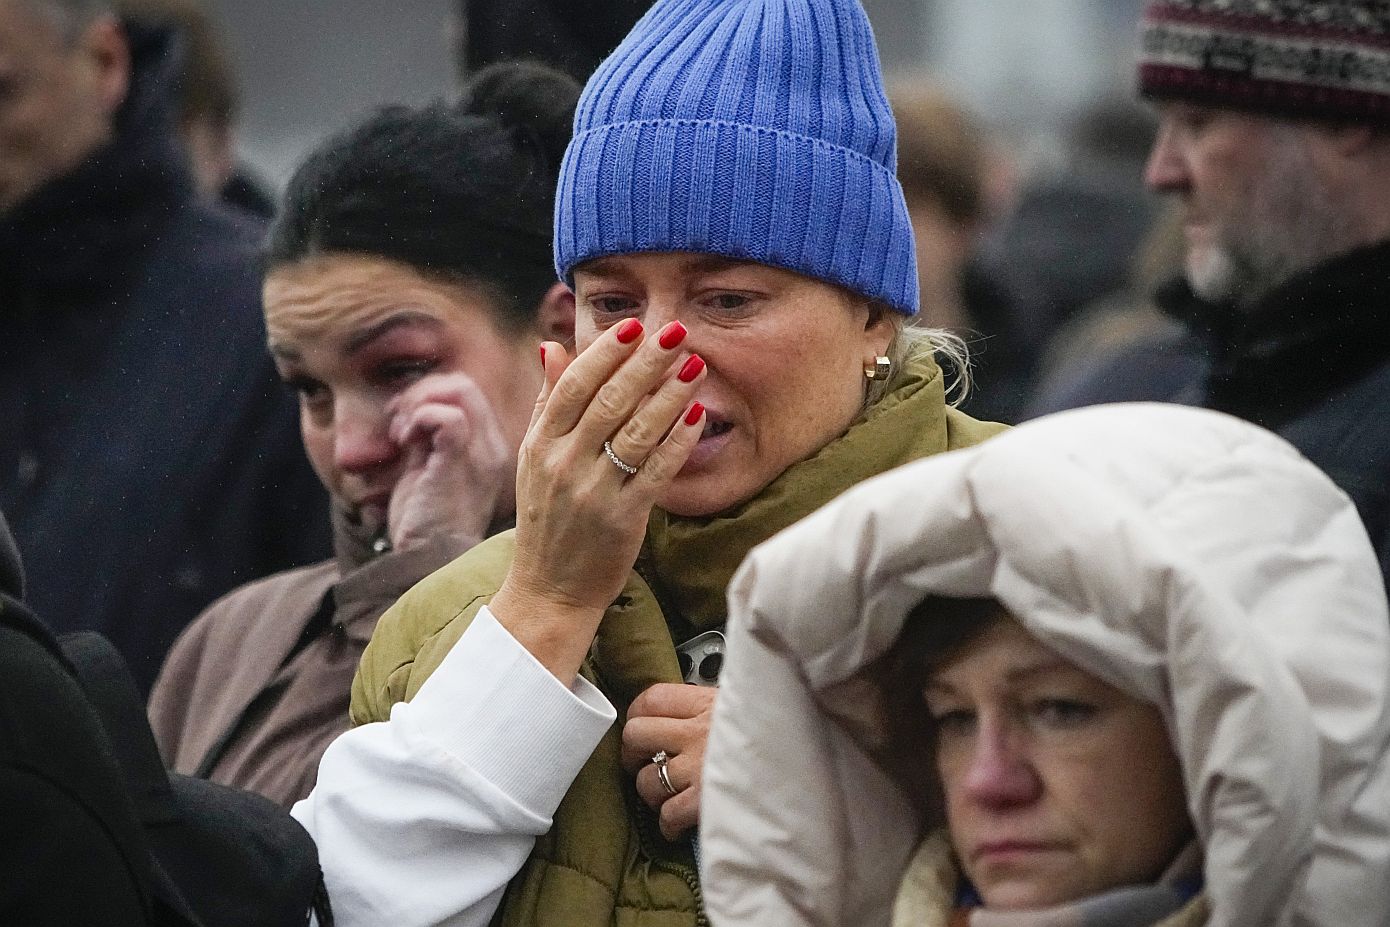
1211,273
701,495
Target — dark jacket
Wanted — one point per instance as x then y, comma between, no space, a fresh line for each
148,459
74,852
95,831
1310,362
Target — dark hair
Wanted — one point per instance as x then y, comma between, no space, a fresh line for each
464,193
937,630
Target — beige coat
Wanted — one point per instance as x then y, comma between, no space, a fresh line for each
251,695
1188,558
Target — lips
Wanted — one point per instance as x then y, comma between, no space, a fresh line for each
717,433
1001,851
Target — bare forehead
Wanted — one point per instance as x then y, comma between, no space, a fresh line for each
347,302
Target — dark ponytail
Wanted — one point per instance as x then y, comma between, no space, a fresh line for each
465,193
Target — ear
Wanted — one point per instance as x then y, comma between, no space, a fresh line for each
107,50
555,316
879,327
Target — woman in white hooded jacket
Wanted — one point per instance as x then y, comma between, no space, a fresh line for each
1188,560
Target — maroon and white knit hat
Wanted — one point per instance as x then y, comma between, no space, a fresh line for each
1322,59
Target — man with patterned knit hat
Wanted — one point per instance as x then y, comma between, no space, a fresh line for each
1275,133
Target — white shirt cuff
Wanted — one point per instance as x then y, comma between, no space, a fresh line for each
495,708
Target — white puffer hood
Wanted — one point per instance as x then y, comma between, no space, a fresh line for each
1184,556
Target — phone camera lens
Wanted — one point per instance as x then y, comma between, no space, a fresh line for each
711,665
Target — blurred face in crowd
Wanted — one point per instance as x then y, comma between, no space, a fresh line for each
351,333
1256,206
944,246
59,93
785,359
1058,785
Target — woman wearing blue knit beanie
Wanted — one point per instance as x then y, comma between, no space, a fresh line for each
730,221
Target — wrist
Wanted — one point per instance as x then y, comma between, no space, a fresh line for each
556,632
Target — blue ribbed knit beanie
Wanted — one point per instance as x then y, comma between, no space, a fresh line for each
753,129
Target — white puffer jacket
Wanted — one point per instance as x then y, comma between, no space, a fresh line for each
1189,558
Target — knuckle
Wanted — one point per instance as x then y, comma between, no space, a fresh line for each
640,433
641,706
608,401
569,391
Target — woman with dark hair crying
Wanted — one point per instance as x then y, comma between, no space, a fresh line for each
408,281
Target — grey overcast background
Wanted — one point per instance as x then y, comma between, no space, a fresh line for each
308,67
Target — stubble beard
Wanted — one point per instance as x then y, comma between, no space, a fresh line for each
1285,222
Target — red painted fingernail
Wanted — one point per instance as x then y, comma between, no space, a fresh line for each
672,335
692,369
628,331
542,357
694,414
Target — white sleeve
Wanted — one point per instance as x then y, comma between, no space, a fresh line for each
424,819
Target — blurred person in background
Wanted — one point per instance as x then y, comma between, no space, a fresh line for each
572,35
948,169
1078,218
1122,347
1083,674
148,460
409,281
208,102
1278,150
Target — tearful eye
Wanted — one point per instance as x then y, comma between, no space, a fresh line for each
728,301
309,389
1062,712
613,305
954,722
399,374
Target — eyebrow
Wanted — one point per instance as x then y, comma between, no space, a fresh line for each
360,339
363,337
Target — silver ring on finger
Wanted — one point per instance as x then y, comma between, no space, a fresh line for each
663,774
618,462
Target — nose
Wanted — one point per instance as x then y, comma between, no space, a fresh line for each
1165,171
661,310
1000,773
360,435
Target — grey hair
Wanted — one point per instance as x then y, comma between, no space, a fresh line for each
911,343
70,17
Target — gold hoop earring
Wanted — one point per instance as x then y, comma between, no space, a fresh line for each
880,369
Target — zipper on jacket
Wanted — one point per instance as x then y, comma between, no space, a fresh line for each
648,831
647,835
